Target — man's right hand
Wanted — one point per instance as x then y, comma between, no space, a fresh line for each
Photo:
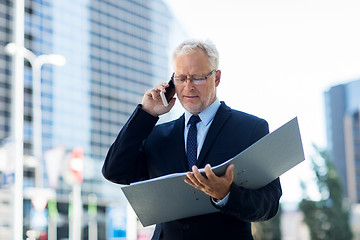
152,103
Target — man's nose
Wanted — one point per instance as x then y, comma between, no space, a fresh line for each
188,83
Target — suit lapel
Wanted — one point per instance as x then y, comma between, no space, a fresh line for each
219,120
179,154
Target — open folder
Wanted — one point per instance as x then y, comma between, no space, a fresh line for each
168,198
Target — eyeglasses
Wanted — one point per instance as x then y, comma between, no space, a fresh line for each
195,79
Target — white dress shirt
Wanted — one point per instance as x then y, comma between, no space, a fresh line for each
203,126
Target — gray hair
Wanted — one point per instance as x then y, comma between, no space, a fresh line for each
189,46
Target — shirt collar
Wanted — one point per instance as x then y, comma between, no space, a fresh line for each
207,115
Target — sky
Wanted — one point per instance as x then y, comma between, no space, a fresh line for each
277,59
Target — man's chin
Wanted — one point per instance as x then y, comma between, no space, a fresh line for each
192,108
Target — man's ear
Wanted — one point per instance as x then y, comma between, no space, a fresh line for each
217,77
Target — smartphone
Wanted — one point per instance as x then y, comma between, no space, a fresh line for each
169,94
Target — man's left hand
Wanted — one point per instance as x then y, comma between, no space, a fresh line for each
212,185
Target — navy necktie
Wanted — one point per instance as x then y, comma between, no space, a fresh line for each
191,144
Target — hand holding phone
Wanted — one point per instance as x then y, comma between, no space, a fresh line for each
169,94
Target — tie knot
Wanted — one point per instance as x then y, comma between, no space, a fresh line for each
194,119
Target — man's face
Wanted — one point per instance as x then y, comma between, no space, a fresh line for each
196,98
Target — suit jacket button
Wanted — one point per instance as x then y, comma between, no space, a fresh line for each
186,227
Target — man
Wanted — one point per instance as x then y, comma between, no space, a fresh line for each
145,150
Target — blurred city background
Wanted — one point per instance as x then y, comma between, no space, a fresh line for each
72,72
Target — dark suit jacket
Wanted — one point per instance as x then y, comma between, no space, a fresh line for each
143,150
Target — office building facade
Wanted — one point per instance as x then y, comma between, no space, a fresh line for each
342,104
5,115
114,49
5,87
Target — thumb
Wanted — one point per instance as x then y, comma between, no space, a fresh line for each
230,171
172,102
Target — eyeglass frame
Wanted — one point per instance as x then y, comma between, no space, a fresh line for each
191,79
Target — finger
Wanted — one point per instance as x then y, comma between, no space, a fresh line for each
230,171
155,94
148,93
161,87
151,93
194,180
209,172
188,181
199,177
189,175
158,89
172,102
164,85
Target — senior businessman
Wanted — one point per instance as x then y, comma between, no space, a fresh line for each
207,134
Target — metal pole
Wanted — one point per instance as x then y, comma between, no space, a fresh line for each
52,229
36,63
37,121
92,212
18,120
76,224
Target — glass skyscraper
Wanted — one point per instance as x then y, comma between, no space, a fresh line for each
115,50
5,115
342,104
5,87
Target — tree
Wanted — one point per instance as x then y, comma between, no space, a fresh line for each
328,218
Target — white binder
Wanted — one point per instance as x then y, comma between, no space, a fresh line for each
168,198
